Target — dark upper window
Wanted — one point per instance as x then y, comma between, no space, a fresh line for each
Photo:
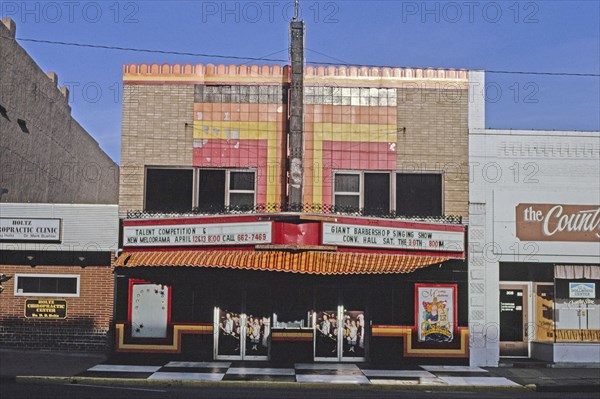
419,194
211,190
219,188
376,193
241,189
347,190
416,194
169,189
172,190
367,190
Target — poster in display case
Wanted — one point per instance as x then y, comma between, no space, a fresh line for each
435,310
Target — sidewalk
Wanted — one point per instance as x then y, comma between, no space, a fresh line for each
550,379
44,363
20,364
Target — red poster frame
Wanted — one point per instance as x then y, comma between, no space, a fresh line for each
133,282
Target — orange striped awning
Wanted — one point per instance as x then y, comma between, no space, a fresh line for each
301,262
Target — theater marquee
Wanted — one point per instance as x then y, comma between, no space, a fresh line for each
393,238
197,234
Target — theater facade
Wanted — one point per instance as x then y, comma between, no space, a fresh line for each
216,262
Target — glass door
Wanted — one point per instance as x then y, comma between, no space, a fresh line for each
243,328
355,330
326,334
354,335
340,333
228,323
325,324
256,331
514,320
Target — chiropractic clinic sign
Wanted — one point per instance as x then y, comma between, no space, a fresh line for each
28,229
557,222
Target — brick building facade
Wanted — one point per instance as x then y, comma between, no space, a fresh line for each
89,316
58,214
207,219
222,116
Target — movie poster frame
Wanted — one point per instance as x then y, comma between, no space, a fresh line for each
454,323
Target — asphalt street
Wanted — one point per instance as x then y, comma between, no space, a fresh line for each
13,390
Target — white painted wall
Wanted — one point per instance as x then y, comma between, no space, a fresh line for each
84,227
476,100
508,167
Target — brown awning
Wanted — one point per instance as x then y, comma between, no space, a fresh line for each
302,262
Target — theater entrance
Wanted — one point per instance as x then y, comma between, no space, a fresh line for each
243,329
340,328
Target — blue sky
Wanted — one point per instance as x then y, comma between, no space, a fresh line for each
546,36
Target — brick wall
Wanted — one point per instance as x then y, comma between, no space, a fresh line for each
351,119
157,129
89,316
433,136
52,159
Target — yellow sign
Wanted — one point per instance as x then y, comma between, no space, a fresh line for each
45,309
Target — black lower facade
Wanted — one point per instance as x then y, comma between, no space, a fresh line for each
203,314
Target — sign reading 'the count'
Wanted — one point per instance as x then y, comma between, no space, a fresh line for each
197,234
352,235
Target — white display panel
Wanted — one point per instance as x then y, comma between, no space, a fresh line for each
149,313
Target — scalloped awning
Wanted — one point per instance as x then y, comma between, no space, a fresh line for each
325,263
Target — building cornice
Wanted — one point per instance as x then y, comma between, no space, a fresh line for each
346,76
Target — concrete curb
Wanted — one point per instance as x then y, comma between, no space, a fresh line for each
259,384
567,388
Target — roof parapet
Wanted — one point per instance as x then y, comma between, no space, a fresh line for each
201,72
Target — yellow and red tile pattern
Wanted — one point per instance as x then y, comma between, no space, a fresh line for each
243,135
356,135
345,137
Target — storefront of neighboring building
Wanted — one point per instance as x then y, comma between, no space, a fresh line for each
59,258
217,264
534,255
